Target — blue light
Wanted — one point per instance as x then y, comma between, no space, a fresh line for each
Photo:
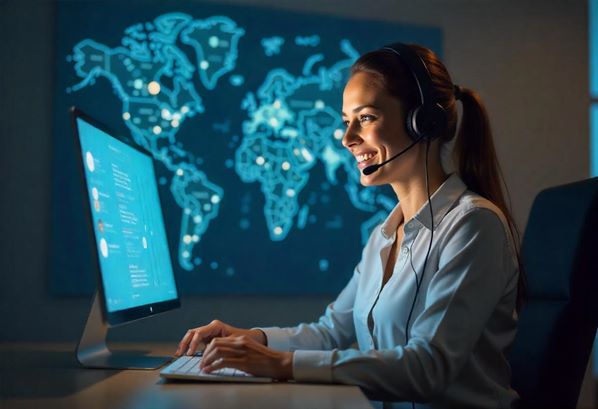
593,47
594,139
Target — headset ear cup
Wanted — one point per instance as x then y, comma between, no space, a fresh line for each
411,124
431,121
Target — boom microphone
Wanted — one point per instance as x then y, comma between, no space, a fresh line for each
372,168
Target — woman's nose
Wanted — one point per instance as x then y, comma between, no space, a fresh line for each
350,137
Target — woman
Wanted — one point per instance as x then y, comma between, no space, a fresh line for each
432,303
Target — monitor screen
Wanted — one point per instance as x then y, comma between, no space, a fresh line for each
130,237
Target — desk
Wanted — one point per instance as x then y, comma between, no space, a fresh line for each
48,376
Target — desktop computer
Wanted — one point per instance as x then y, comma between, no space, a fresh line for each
132,259
131,256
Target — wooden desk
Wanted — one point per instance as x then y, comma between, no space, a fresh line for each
48,376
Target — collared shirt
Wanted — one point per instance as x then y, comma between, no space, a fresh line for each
463,322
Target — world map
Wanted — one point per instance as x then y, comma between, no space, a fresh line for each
292,120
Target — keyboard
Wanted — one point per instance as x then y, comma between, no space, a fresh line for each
187,367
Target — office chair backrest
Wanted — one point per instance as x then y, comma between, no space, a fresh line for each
558,325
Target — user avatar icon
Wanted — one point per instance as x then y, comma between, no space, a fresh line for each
90,162
96,205
94,193
104,247
101,226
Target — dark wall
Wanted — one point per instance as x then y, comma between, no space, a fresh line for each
527,59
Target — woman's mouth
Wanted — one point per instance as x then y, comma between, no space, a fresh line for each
366,159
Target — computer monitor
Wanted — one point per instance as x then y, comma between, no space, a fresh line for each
132,259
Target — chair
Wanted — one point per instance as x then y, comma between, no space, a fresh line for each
558,325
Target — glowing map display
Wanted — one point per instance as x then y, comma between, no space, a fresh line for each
240,107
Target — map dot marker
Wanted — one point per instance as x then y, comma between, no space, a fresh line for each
153,88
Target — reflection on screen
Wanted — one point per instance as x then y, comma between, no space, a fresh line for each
132,248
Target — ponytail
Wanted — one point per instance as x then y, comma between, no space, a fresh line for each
477,165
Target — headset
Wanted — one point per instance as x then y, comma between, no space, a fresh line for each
428,119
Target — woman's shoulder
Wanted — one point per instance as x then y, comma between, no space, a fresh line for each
476,212
472,205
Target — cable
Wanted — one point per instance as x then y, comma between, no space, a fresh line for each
419,282
421,278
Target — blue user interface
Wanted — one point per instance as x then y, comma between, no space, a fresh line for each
127,220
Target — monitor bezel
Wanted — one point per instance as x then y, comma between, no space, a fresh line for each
115,318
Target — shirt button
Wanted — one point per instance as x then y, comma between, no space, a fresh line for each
405,250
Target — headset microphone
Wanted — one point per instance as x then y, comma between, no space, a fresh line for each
372,168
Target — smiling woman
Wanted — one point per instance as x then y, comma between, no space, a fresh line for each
432,305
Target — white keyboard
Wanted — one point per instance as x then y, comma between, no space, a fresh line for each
187,367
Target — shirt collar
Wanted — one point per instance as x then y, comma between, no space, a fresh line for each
442,201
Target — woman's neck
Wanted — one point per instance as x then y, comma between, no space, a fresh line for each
412,192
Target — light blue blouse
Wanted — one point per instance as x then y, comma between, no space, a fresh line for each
463,323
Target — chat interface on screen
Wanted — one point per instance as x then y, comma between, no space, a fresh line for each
127,220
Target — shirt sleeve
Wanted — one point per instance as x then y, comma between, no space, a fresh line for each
474,266
334,329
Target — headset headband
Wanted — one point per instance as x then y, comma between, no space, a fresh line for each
418,70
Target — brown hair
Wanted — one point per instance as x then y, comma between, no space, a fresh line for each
474,153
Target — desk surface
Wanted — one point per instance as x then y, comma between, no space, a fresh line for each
48,376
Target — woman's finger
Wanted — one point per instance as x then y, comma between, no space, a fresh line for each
229,362
195,341
184,344
220,352
214,343
231,341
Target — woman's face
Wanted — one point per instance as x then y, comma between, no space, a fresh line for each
375,129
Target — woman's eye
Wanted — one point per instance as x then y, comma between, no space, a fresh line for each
366,117
346,123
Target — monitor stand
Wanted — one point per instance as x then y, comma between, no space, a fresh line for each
92,351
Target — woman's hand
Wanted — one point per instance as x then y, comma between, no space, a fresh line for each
246,354
215,329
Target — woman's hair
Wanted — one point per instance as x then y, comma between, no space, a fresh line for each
474,154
